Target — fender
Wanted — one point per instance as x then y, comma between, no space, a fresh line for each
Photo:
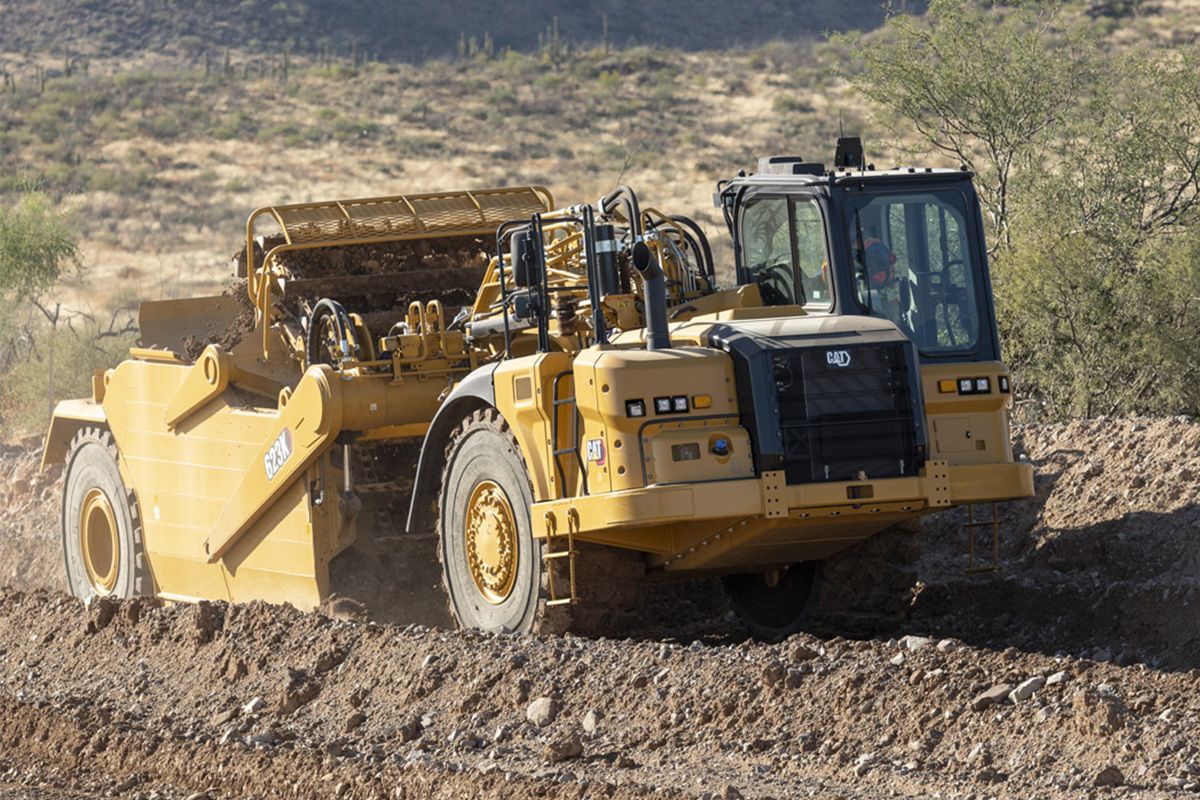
477,390
69,417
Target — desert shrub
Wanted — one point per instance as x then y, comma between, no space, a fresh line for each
786,104
30,388
1088,167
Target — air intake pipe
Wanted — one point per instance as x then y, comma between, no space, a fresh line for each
654,287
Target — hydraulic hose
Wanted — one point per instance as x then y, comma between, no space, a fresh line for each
327,307
628,198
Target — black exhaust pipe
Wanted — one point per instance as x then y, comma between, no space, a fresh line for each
654,286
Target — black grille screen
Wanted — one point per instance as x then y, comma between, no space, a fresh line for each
846,413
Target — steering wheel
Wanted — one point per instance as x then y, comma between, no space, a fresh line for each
769,281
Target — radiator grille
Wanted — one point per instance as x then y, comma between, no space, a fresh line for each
846,413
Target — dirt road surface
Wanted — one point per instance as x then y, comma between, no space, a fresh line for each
1072,672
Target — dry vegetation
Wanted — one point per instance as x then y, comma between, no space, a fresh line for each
160,153
163,165
162,162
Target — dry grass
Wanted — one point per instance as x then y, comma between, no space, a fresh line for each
162,165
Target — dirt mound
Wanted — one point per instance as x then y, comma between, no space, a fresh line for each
1073,668
377,259
1104,561
30,550
228,336
309,706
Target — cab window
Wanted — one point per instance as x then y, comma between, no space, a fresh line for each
784,251
812,263
913,265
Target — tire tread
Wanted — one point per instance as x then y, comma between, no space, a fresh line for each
89,435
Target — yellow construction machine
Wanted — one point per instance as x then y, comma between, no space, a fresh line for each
584,407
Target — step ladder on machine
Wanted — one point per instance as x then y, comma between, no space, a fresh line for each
973,523
553,551
562,545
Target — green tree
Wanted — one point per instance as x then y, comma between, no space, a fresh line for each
985,85
1097,295
1088,166
47,352
36,246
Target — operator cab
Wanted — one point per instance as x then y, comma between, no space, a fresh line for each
904,245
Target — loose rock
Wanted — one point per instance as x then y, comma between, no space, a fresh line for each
1026,689
542,711
564,748
991,697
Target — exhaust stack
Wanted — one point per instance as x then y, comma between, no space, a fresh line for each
655,297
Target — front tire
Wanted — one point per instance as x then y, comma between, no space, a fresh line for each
777,609
493,566
101,526
491,563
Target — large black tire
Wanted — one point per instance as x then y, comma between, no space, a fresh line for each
483,449
101,526
483,456
774,611
864,590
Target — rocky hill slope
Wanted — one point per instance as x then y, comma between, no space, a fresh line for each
413,30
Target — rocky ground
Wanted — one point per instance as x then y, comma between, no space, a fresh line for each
1072,672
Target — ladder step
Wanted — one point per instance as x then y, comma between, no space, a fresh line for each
563,602
563,554
970,527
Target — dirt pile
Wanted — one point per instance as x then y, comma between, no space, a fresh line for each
377,259
1103,562
30,552
305,705
1074,671
228,332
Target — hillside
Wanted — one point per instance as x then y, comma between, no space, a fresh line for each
411,31
159,126
162,164
161,155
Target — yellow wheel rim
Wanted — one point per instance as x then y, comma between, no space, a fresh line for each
492,542
98,541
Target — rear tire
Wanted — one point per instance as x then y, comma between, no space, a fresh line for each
774,612
101,526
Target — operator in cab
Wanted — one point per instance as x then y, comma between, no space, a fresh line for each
877,262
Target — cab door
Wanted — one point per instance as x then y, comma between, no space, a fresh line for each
783,249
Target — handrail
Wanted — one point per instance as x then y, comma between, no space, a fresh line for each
374,220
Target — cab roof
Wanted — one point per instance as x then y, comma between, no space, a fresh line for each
823,177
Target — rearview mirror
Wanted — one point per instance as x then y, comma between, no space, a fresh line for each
524,259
